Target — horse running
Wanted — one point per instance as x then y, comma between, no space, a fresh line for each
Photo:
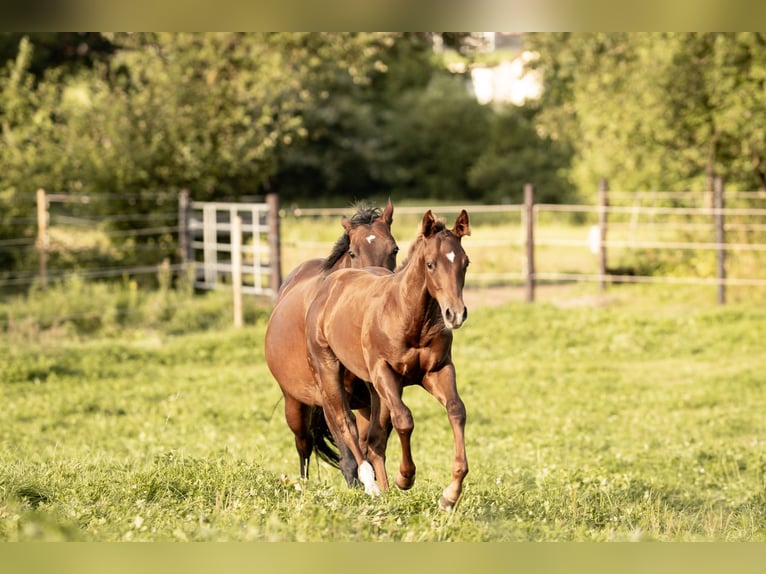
393,329
366,241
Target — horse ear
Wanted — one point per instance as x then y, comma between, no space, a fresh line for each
388,213
346,223
462,227
427,225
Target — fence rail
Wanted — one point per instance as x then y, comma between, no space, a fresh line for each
713,222
616,223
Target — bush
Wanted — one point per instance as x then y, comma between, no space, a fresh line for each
76,307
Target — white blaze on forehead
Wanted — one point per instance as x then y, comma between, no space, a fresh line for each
370,238
451,256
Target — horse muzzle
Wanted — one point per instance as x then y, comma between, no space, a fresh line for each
454,319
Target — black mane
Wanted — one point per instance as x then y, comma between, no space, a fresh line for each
364,215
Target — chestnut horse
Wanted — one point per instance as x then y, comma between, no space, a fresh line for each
394,330
366,241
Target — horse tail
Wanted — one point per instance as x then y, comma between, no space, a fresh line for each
324,442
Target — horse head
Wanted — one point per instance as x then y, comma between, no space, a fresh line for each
366,241
445,266
371,244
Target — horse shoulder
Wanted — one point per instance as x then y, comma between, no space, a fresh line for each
436,351
333,307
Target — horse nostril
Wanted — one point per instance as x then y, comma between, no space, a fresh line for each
449,315
465,313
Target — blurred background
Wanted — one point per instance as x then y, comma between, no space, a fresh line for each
101,134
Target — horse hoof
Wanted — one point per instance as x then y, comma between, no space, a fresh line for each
367,476
403,482
446,504
372,489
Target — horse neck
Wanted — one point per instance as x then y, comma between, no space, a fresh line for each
413,294
342,263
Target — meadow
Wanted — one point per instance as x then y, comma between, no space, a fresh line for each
635,415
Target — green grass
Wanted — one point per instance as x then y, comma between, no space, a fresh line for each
641,419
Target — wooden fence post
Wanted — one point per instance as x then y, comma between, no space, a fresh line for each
529,225
210,241
184,231
42,235
236,268
275,245
720,238
603,204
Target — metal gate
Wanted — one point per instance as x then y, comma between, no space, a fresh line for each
209,228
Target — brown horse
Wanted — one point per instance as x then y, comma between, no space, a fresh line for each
366,241
393,330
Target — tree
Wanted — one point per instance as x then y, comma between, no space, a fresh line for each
342,121
26,122
656,111
167,111
515,155
65,51
358,139
433,138
360,79
737,85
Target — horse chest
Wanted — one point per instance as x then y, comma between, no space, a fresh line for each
417,361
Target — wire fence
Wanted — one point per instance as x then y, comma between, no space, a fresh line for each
86,236
625,237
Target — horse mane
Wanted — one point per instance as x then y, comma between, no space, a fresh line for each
365,215
438,227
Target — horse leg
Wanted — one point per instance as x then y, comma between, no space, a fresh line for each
328,372
442,385
346,463
359,399
296,415
377,425
348,466
363,428
388,385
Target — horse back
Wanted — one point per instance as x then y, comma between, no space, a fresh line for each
306,270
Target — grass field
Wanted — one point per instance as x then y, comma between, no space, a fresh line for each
640,418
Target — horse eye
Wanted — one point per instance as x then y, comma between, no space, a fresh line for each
396,250
351,254
430,264
467,263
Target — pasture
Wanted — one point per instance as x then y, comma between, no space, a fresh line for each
636,418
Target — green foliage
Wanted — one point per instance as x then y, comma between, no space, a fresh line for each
612,423
339,154
224,115
76,308
434,137
346,152
25,126
168,114
229,114
516,155
127,120
70,51
661,111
